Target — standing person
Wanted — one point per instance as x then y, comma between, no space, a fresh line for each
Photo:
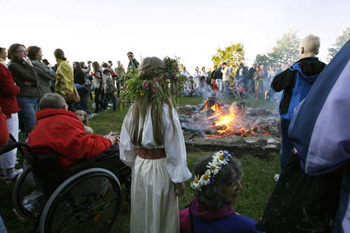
205,75
9,105
64,82
250,79
184,72
152,144
258,76
98,85
119,71
4,137
321,134
241,73
87,85
79,82
218,77
47,75
196,75
295,82
133,63
27,78
109,89
226,71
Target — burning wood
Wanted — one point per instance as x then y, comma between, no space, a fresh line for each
214,119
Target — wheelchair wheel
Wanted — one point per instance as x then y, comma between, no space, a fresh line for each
27,199
88,201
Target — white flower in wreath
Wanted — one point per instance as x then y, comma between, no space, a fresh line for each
205,179
196,182
214,167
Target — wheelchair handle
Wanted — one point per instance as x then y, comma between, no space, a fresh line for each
12,145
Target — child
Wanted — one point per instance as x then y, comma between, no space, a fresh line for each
211,209
295,82
152,144
82,115
214,86
241,90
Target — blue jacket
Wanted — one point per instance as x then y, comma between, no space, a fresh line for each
295,82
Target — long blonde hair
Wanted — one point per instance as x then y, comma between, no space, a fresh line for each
151,68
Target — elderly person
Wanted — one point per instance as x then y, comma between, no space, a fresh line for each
217,183
59,131
8,102
35,55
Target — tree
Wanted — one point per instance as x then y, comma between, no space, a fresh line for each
232,55
263,60
340,41
286,50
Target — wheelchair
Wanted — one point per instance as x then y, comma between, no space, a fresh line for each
86,197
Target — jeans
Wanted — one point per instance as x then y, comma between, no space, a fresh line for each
98,100
226,90
219,83
8,160
2,226
29,106
110,96
84,96
287,144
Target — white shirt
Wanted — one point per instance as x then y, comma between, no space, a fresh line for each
185,73
174,143
205,74
226,73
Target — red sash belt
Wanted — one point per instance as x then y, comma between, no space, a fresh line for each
151,153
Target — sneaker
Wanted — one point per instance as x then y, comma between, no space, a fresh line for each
33,201
276,177
91,115
12,175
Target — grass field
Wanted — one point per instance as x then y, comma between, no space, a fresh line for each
257,183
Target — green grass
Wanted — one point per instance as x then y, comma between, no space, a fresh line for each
257,182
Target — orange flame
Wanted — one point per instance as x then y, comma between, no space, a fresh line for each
228,121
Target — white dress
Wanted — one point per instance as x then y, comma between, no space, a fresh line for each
154,205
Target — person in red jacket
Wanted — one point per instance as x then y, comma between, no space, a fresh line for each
8,102
4,137
59,131
4,132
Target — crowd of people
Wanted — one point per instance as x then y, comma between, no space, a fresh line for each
152,144
223,81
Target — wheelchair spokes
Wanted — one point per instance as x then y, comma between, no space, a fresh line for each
89,205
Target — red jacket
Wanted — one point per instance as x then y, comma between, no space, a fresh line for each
60,132
8,92
4,133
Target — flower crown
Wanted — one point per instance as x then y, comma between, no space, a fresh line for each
157,86
219,159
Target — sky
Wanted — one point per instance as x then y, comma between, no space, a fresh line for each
192,30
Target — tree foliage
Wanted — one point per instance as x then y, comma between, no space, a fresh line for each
232,55
340,41
263,59
285,52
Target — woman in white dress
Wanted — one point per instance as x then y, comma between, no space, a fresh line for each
152,144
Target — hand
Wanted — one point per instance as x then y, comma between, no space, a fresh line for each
27,61
179,189
113,137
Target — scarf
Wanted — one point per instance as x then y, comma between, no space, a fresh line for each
186,215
